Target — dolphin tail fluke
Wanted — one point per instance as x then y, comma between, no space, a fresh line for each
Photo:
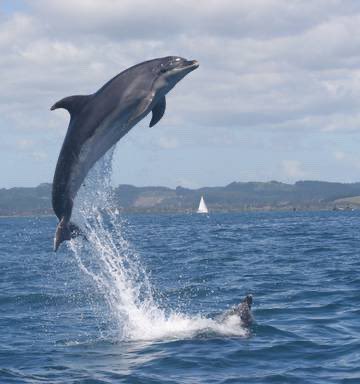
65,231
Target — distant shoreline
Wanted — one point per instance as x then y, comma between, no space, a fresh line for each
236,197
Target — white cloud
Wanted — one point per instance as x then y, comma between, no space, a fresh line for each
167,142
24,144
339,155
293,169
265,66
348,159
39,155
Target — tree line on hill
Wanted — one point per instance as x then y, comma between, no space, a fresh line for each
237,196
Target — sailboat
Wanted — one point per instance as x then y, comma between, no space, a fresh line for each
202,206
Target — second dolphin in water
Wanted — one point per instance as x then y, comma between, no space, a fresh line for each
99,120
242,310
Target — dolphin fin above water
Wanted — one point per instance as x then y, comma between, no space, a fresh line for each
242,310
72,104
158,111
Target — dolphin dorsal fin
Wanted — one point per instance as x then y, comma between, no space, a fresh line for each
158,111
72,104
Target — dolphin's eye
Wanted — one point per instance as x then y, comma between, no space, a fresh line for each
163,70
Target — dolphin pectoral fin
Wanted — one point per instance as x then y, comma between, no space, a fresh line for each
73,104
158,111
66,231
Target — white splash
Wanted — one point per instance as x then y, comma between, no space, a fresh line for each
116,270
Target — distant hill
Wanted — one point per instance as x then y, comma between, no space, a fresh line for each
26,201
237,196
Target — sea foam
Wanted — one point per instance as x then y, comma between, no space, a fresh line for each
118,272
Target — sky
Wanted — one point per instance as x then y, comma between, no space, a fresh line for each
276,96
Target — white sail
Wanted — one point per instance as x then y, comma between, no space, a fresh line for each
202,206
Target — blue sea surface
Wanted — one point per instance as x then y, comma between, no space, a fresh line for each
58,312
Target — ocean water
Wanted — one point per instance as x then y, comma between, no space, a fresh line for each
138,301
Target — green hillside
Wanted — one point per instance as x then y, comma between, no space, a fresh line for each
237,196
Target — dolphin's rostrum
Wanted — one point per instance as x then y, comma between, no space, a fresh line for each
99,120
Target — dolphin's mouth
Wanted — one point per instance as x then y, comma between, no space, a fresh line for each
186,66
190,64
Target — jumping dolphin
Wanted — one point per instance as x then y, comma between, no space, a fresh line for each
99,120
